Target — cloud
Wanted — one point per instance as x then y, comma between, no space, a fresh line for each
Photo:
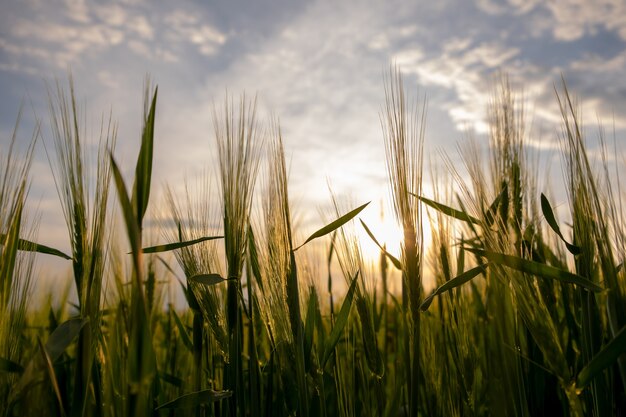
466,71
578,18
565,20
185,26
74,32
319,67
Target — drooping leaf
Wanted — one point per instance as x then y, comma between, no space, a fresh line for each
27,245
449,211
178,245
546,208
340,323
208,279
603,359
395,261
334,225
536,268
453,283
195,399
62,336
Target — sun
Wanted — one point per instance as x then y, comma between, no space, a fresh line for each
383,225
385,229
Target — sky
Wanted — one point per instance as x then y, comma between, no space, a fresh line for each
318,66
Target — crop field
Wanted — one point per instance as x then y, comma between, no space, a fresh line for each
527,316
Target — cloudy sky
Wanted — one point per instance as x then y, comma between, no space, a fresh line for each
318,65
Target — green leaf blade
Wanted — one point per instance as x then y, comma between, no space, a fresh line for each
178,245
195,399
208,279
603,359
334,225
340,323
143,169
537,269
453,283
395,261
548,213
449,211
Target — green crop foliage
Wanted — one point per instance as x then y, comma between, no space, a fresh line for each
526,317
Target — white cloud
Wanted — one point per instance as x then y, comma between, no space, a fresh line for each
184,27
491,7
466,71
107,79
141,26
78,11
597,64
570,20
111,14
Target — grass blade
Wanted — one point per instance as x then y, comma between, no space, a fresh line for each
340,323
453,283
132,228
395,261
546,208
195,399
334,225
449,211
208,279
143,170
52,375
309,326
490,215
62,336
178,245
536,268
603,359
27,245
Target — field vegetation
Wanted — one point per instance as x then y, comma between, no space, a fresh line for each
527,317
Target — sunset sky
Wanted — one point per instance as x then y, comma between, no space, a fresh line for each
316,65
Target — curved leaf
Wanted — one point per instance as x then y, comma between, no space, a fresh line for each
178,245
490,214
536,268
340,323
453,283
603,359
195,399
143,169
546,208
62,336
452,212
395,261
334,225
208,279
28,246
